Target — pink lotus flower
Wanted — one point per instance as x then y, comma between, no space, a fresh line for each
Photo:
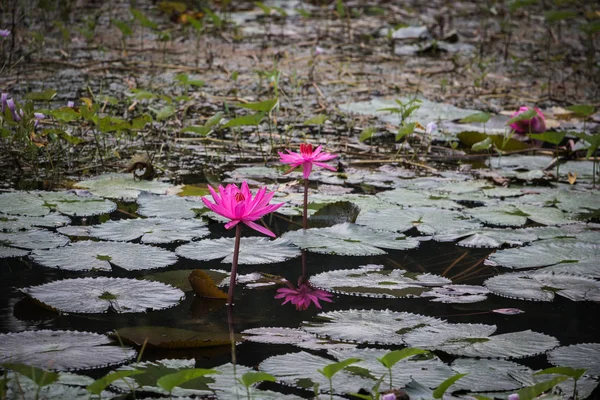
303,296
307,157
536,124
238,205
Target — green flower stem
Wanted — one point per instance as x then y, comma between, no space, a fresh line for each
234,264
305,214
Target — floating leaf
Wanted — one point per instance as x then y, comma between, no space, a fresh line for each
489,238
62,350
543,286
88,255
124,186
253,250
583,355
160,206
490,375
13,223
33,240
171,338
293,336
349,239
369,326
474,340
37,204
151,230
417,198
98,295
373,280
203,285
457,294
564,255
7,252
517,215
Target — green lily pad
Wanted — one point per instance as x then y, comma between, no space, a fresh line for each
124,186
98,295
490,375
418,198
583,355
13,223
38,203
489,238
151,230
161,206
88,255
33,240
62,350
293,336
457,294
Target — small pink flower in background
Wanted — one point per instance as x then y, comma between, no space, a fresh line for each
10,103
431,128
303,296
536,124
4,32
307,157
238,205
70,104
389,396
508,311
513,396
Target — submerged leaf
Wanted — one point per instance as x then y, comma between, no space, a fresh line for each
253,250
98,295
203,285
61,350
88,255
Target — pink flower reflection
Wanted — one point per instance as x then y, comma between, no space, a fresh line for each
307,158
303,296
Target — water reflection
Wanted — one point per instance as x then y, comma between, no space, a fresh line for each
303,295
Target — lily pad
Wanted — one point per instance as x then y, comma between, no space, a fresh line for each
374,281
563,255
7,252
13,223
98,295
293,336
457,294
544,286
583,355
301,370
488,238
160,206
171,338
253,250
88,255
62,350
38,203
124,186
490,375
418,198
151,230
475,340
511,215
349,240
33,240
369,326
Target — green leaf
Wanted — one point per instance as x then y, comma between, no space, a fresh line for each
483,145
548,137
38,375
405,130
250,378
195,23
123,27
140,94
339,7
367,133
331,369
252,119
141,121
390,359
199,130
439,392
482,117
593,140
65,114
517,4
266,9
523,116
217,22
100,384
169,381
264,106
316,120
142,19
303,12
582,110
164,113
64,136
214,120
46,95
469,138
558,15
531,392
575,373
591,27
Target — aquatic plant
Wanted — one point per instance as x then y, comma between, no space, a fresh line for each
238,205
307,157
303,296
528,120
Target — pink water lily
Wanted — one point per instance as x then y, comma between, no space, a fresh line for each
303,296
238,205
307,158
536,124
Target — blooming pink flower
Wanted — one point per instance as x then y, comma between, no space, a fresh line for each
303,296
238,205
536,124
307,157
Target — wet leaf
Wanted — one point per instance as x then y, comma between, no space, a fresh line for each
124,186
160,206
13,223
33,240
582,355
98,295
486,375
293,336
62,350
171,338
417,198
151,230
88,255
253,250
457,294
203,285
349,239
39,203
7,252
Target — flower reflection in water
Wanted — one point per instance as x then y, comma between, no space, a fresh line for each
303,296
